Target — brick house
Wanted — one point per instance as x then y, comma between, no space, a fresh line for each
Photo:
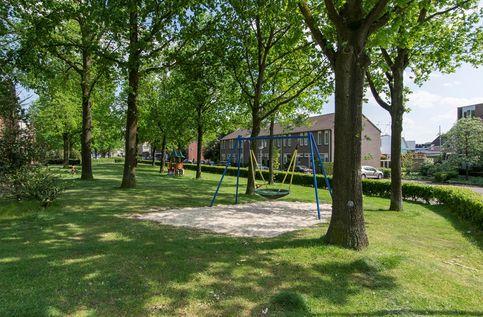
322,127
471,111
192,152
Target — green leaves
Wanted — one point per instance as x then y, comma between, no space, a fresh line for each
464,142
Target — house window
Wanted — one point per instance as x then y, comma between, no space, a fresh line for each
326,137
301,139
306,139
279,141
469,113
289,141
324,157
222,145
223,157
319,137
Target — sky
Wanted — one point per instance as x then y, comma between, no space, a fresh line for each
432,105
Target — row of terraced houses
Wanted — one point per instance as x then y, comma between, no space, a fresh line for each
322,127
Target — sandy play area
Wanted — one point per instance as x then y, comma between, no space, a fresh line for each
260,219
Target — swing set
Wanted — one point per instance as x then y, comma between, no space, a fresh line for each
264,189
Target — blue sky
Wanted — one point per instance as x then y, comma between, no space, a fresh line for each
431,105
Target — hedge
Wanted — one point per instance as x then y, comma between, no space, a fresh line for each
61,161
464,203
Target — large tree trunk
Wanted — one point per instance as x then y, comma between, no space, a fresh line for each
199,144
163,155
130,162
256,123
86,135
270,152
66,141
346,226
397,112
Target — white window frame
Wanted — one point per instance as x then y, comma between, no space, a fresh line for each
289,141
326,137
319,137
306,140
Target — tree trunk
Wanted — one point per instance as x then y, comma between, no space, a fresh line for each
256,123
86,135
153,153
397,112
66,141
199,144
130,162
270,152
346,226
163,155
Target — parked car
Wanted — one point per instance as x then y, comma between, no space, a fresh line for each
371,172
262,167
302,169
188,161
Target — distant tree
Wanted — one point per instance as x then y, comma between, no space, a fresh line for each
108,118
148,36
464,143
69,33
410,41
56,115
164,117
271,59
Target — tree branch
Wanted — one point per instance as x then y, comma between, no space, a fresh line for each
457,6
376,95
316,33
375,14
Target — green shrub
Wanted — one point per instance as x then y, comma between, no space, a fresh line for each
442,177
33,183
387,172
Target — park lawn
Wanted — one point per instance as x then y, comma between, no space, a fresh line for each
84,256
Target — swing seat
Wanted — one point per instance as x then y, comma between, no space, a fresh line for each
272,194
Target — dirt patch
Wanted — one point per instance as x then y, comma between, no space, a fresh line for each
261,219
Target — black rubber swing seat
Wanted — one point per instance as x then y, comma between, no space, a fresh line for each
272,193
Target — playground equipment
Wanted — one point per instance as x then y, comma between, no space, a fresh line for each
274,193
175,166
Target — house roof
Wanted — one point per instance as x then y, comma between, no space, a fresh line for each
316,123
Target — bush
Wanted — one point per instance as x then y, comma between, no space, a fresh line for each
387,172
441,177
61,162
32,183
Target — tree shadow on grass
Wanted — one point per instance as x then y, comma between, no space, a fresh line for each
108,265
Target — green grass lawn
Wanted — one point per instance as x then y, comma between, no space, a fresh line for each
85,257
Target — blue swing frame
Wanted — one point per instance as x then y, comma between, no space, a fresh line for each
313,150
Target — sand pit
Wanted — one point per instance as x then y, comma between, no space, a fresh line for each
260,219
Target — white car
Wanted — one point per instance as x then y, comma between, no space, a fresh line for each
371,172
